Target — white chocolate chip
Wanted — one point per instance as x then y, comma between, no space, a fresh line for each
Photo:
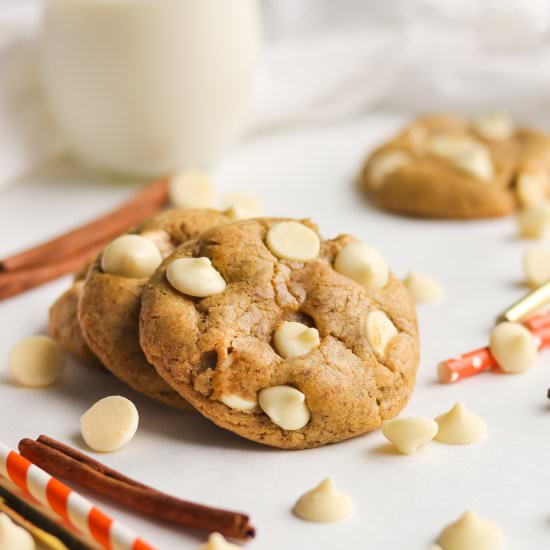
292,339
532,186
471,532
191,189
477,162
459,426
422,288
131,256
363,264
513,347
14,537
237,402
36,361
218,542
239,206
285,406
195,277
495,126
533,221
109,424
385,164
408,434
536,264
293,241
379,331
162,240
325,503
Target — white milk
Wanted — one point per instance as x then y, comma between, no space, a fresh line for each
144,86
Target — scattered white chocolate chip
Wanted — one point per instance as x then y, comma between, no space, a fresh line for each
36,361
191,189
285,406
292,339
363,264
237,402
378,330
533,221
422,288
293,241
131,256
195,277
495,126
239,206
536,264
513,347
109,424
469,532
14,537
218,542
385,164
459,426
407,434
477,162
325,503
532,186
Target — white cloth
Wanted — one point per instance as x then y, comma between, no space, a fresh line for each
326,61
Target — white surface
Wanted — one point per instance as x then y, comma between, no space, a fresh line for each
401,502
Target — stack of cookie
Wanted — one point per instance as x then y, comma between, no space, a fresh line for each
259,324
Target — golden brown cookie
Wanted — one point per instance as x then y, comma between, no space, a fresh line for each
449,167
344,353
109,307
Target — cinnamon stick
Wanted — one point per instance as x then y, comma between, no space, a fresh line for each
145,203
62,461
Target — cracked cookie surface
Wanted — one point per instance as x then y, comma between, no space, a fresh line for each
108,310
220,349
449,167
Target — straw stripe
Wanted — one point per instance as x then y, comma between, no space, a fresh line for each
68,504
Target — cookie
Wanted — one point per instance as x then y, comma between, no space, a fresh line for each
63,322
109,307
449,167
296,341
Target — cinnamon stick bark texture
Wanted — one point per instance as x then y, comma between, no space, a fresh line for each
145,203
65,462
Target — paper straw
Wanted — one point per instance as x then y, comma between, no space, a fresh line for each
529,304
66,503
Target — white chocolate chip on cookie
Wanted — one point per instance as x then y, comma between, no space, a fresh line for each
379,331
477,162
495,126
385,164
533,221
408,434
293,241
423,289
131,256
239,206
109,424
513,347
363,264
292,339
36,361
536,264
14,537
237,402
325,503
469,532
532,186
285,406
191,189
459,426
195,277
218,542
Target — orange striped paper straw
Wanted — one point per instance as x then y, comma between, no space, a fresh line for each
480,360
66,503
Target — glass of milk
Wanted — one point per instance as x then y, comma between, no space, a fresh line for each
140,87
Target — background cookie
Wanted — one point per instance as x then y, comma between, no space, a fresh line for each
448,167
219,351
109,307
